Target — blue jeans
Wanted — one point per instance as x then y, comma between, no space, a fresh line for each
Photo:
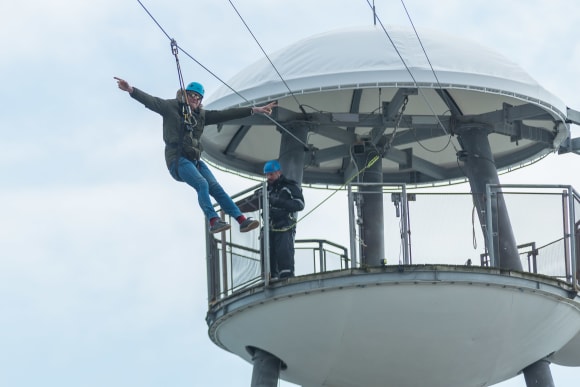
200,177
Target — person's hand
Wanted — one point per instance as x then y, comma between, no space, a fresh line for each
266,109
124,85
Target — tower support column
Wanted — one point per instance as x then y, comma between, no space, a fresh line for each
266,369
372,249
539,374
481,170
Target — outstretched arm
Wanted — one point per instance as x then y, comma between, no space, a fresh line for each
217,116
158,105
266,109
124,85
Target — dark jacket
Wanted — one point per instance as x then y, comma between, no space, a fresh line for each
285,198
172,112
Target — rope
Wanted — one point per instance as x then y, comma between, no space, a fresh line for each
397,123
187,108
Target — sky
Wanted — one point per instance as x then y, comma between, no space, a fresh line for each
102,268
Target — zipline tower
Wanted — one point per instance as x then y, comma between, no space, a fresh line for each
349,97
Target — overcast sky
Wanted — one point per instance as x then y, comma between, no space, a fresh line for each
102,268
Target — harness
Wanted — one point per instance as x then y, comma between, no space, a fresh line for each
289,219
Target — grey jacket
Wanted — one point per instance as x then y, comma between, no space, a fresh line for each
172,112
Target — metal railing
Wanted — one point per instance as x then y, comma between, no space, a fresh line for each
235,267
325,256
445,229
550,212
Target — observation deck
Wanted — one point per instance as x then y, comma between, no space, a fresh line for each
378,299
446,315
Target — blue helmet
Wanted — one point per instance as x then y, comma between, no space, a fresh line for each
195,87
272,166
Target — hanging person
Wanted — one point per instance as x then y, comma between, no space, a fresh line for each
183,122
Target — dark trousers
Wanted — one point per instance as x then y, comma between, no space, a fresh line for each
281,252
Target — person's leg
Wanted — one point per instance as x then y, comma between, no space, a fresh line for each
284,242
225,201
215,189
189,174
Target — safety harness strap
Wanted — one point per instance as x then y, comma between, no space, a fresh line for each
185,109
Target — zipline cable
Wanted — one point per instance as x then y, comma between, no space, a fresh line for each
410,72
300,106
306,146
151,16
187,54
267,57
473,212
432,70
421,43
371,162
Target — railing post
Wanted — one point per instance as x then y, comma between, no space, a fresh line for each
266,234
488,227
351,227
535,258
405,222
568,235
322,257
212,267
573,243
576,262
224,261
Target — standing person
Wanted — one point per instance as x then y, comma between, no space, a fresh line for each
183,123
285,199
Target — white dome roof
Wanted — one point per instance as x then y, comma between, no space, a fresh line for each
355,57
337,85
